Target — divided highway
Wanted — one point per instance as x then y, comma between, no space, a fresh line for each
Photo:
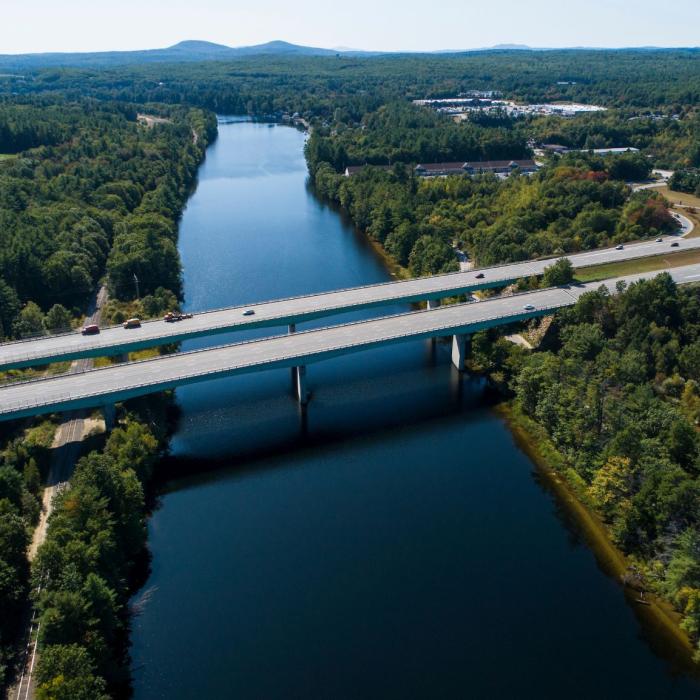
119,382
116,340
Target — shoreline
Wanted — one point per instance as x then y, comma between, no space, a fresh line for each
659,621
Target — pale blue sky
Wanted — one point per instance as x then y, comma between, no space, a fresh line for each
99,25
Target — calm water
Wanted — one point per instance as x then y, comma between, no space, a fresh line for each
393,542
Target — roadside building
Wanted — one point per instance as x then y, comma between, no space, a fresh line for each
553,148
354,169
497,167
613,151
501,167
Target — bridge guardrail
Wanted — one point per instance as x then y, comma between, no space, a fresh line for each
446,329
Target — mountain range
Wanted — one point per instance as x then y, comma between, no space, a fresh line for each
185,51
190,51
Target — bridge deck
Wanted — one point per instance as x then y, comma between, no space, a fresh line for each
116,340
119,382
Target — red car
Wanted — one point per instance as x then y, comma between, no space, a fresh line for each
92,329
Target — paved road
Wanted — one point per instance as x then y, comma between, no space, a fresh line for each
110,384
687,225
116,340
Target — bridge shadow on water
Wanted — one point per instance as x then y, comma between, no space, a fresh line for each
252,430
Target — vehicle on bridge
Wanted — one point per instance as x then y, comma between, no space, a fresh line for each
175,316
90,329
132,323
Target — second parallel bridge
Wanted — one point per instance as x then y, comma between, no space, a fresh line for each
103,387
117,341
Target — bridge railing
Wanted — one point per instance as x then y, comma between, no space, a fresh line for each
182,378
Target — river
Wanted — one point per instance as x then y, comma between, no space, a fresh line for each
390,542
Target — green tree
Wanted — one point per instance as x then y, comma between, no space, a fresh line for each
58,318
560,272
29,322
66,672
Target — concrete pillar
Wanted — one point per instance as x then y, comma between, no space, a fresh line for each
292,328
460,347
433,304
109,411
302,391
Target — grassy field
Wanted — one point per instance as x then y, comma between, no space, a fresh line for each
674,197
6,156
630,267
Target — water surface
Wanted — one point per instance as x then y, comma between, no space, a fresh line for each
391,542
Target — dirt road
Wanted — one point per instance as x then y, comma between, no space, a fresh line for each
66,448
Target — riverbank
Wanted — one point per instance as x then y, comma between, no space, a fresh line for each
659,620
338,525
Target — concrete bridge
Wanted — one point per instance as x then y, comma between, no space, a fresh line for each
289,312
103,387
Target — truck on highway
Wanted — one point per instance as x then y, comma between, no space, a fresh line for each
174,316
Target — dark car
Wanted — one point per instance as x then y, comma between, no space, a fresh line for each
480,276
92,329
674,244
249,312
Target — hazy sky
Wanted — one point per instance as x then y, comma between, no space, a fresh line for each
99,25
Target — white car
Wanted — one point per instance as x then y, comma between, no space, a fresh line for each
619,247
529,307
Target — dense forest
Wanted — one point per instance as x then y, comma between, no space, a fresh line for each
575,203
88,191
616,392
86,568
319,85
91,190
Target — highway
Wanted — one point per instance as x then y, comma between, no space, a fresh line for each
281,312
119,382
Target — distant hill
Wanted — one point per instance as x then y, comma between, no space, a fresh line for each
183,52
190,51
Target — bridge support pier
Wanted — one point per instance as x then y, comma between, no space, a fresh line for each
292,328
433,304
299,376
109,411
460,347
302,391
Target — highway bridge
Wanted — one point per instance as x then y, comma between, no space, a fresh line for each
103,387
289,312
